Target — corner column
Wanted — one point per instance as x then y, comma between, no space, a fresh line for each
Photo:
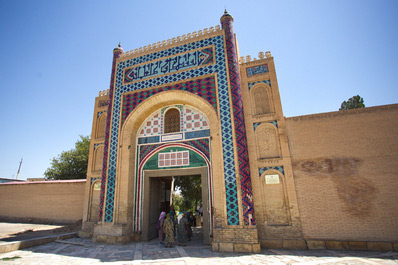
243,237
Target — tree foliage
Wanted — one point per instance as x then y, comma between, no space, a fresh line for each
70,164
191,192
353,103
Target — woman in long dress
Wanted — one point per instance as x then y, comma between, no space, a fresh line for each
160,226
168,229
182,230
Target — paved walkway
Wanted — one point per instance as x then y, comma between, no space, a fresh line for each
83,251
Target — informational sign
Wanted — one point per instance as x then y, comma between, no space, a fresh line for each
172,137
97,186
272,179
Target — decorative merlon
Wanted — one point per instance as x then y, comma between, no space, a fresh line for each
103,92
248,58
164,43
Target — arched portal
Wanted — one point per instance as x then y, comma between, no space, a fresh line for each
147,206
138,141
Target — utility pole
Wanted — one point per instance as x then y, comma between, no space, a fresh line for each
19,169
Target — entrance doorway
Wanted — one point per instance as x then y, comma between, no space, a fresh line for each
156,198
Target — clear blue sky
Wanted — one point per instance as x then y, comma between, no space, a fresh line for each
56,56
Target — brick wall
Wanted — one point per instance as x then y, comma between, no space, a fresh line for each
345,166
42,201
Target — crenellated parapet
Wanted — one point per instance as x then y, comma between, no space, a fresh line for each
179,39
103,92
248,58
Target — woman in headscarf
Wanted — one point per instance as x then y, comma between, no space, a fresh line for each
168,229
159,226
182,230
189,225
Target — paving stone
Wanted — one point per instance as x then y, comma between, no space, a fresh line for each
83,251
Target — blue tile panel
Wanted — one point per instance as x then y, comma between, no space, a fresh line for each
262,170
240,132
257,70
224,105
256,124
268,82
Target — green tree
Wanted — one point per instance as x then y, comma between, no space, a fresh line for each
191,192
70,164
355,102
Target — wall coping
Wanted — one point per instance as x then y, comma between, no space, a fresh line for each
343,112
44,182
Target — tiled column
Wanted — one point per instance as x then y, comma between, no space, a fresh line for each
240,130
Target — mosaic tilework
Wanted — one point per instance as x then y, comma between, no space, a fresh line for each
275,123
169,65
99,113
225,111
262,170
173,159
144,156
202,87
103,103
194,120
93,179
268,82
191,120
240,132
202,145
116,54
256,124
152,125
257,70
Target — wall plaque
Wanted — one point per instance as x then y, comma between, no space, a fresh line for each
272,179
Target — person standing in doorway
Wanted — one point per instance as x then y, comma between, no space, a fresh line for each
182,230
159,226
168,228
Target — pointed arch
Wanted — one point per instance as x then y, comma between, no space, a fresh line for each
267,141
98,156
127,184
101,122
261,98
172,121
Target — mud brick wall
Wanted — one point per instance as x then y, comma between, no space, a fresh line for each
42,201
345,166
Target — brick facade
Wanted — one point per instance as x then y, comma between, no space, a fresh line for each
42,201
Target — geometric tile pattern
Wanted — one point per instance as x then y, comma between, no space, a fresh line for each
137,216
268,82
200,144
262,170
151,126
256,124
240,132
195,120
140,89
99,113
173,159
257,70
275,123
191,120
116,54
202,87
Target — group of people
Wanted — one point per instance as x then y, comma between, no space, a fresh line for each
166,226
